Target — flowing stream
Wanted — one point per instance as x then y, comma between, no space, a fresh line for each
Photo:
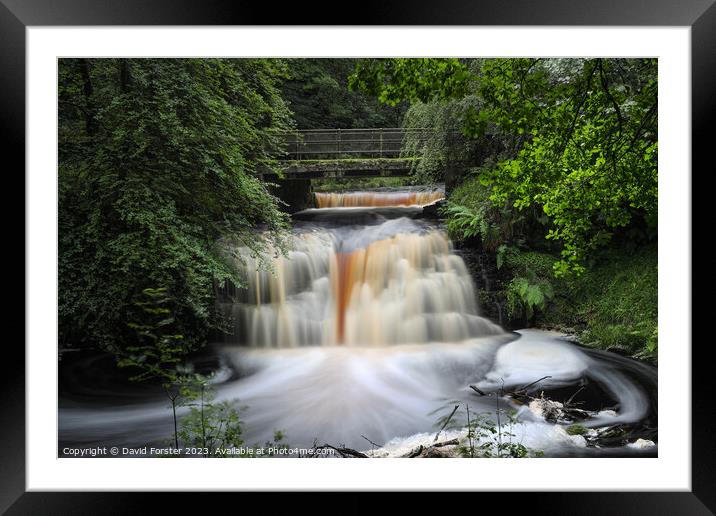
370,329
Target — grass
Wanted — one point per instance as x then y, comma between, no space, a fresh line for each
614,305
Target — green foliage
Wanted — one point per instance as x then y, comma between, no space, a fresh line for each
436,138
528,295
471,212
159,356
577,137
589,154
209,425
159,349
273,448
347,184
614,304
531,285
413,80
158,162
492,436
464,223
576,429
317,93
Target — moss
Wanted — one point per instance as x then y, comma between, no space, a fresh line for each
614,305
471,193
576,430
529,262
330,185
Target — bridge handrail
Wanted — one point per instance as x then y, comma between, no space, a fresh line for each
365,129
371,143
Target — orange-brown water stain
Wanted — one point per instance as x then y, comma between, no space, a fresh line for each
375,199
349,271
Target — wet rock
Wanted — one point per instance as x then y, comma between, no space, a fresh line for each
642,444
434,453
608,413
576,440
433,211
547,409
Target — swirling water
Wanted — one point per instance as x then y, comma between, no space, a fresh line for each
370,326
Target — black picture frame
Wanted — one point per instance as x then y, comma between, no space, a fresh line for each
17,15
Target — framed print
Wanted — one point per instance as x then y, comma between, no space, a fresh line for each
451,235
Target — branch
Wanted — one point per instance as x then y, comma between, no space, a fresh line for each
481,393
371,442
345,452
531,384
451,442
568,136
446,422
605,86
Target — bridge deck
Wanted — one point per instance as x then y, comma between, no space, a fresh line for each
331,169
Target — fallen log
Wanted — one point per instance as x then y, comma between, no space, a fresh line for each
345,452
425,451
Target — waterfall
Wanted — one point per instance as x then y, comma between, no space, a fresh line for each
370,325
375,199
380,285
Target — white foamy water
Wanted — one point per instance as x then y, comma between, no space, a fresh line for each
392,395
391,283
370,326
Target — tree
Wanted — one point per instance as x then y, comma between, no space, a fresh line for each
317,93
158,168
578,137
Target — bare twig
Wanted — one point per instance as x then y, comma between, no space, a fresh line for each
371,442
481,393
531,384
569,401
446,422
516,391
499,424
469,431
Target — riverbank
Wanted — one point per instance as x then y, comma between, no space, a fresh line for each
613,305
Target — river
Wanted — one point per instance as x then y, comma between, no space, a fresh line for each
370,328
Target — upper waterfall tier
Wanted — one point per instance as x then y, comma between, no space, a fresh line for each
377,199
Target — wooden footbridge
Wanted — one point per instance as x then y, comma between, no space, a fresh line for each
336,153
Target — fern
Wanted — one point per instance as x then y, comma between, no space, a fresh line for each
528,294
464,223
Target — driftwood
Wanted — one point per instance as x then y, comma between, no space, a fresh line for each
414,453
451,442
516,392
344,452
426,450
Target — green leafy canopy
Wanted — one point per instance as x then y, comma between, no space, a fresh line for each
575,137
158,166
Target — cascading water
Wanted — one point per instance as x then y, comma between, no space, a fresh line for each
370,326
366,199
394,283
